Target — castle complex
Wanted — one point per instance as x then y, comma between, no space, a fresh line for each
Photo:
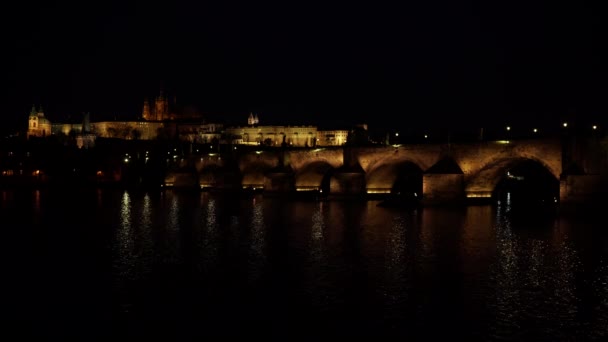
161,119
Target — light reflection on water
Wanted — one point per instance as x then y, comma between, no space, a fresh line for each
234,264
209,245
257,242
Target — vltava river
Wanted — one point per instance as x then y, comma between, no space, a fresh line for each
113,263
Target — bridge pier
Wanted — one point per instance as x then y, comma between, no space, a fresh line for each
583,189
182,180
220,180
279,182
442,188
347,184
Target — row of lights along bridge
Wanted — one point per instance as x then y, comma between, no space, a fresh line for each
507,132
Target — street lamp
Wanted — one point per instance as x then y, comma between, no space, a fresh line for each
508,128
535,130
397,134
565,124
594,127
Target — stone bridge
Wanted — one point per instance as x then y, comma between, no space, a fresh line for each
436,173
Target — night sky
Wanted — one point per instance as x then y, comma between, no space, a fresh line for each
429,63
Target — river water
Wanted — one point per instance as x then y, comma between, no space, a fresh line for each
113,263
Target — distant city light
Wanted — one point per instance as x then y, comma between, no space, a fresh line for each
565,124
594,127
235,147
396,134
426,136
126,160
508,128
535,130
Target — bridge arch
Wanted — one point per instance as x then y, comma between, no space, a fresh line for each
216,176
314,175
487,181
253,174
402,176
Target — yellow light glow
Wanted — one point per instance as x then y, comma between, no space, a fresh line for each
479,195
535,130
565,124
508,128
307,188
594,127
502,141
378,191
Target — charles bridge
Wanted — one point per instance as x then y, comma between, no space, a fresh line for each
438,173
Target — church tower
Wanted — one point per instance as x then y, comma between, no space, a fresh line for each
161,107
38,125
145,113
253,119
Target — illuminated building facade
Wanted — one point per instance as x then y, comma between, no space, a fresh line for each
38,126
193,131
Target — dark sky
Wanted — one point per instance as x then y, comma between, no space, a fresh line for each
449,63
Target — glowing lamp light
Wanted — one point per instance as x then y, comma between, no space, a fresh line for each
508,128
565,124
396,134
126,160
594,127
535,130
426,136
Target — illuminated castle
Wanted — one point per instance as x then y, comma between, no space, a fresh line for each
161,110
